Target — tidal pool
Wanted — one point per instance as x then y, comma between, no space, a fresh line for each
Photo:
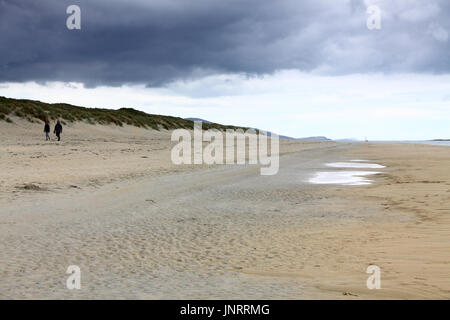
358,165
347,178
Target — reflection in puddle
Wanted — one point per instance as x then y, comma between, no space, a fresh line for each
355,165
348,178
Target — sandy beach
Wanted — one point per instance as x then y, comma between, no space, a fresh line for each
109,200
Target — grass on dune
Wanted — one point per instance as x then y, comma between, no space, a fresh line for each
36,111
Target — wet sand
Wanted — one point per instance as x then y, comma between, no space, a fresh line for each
110,201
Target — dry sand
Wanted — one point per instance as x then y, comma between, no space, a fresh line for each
109,200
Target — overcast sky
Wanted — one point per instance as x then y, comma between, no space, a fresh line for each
299,68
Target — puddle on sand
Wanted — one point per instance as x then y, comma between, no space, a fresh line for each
347,178
356,165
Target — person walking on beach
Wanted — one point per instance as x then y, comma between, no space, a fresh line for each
58,130
47,131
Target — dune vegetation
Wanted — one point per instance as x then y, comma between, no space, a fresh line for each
36,111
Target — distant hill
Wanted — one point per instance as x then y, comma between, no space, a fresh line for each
36,111
319,138
198,119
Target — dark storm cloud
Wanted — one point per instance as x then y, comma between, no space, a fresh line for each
158,41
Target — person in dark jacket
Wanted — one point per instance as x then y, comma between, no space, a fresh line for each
58,130
47,131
